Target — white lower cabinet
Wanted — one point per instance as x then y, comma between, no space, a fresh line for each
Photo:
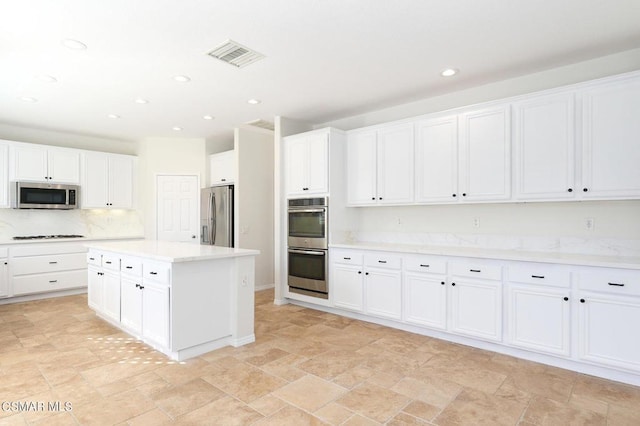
95,288
347,286
609,311
111,286
476,308
383,293
155,313
131,305
4,277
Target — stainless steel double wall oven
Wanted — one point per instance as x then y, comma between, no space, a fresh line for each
308,243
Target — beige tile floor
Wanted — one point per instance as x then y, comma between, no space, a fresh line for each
306,368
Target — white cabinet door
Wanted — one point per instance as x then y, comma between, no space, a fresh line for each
607,333
222,168
155,313
95,188
107,181
476,308
545,148
4,278
425,300
347,287
611,140
111,285
307,162
361,168
485,155
120,182
95,289
383,293
395,164
63,166
539,318
318,163
29,163
4,176
437,160
131,304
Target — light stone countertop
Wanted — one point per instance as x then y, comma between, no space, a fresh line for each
168,251
12,242
496,254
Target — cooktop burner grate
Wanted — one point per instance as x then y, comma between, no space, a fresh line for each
46,237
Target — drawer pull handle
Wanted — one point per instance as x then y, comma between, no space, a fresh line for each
346,258
382,261
53,281
153,273
92,258
424,266
616,284
129,267
538,276
475,270
108,262
52,263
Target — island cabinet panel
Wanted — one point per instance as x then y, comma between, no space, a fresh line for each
186,307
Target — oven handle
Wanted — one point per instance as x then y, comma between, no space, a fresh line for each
311,252
322,210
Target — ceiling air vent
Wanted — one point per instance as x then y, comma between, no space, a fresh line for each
263,124
235,54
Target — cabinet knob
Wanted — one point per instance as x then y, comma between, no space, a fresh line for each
570,190
380,198
373,198
359,272
223,180
442,282
453,284
566,298
585,189
141,287
137,285
582,300
366,273
464,194
454,195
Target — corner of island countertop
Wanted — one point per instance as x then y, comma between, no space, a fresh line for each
169,251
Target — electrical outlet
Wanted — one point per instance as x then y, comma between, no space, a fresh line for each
589,224
476,223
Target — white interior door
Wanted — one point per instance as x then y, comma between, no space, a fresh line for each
177,200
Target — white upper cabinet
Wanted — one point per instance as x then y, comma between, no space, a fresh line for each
307,163
437,160
4,176
485,155
545,148
222,168
380,166
611,140
107,181
44,164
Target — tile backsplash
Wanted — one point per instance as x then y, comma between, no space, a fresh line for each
90,223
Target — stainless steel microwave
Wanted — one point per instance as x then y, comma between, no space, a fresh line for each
35,195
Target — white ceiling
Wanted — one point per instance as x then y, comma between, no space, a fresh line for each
325,59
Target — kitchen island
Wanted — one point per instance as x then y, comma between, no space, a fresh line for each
182,299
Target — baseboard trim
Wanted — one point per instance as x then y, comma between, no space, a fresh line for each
264,287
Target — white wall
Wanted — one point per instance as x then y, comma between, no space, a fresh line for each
69,140
254,199
619,219
165,156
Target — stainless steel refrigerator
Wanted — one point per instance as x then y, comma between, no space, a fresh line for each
216,216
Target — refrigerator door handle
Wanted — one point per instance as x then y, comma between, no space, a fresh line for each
213,218
204,234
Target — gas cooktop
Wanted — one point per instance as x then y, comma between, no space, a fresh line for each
46,237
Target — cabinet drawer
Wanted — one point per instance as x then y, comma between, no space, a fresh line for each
94,259
383,261
131,266
614,281
539,273
111,262
44,264
40,283
158,272
425,264
477,270
346,257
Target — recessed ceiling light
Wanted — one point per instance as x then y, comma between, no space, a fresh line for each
176,128
114,116
28,99
182,78
254,101
449,72
208,117
142,101
47,78
74,44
